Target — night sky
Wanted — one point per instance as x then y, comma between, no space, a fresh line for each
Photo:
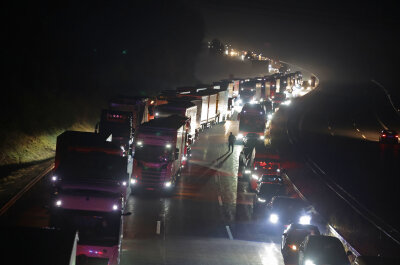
342,40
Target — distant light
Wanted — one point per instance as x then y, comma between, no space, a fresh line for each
59,203
168,145
157,114
273,218
115,207
54,178
124,183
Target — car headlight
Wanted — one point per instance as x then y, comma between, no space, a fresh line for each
54,178
115,207
262,137
167,184
58,203
240,136
254,176
273,218
261,200
133,181
123,183
305,220
309,262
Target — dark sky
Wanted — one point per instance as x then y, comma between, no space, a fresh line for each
336,39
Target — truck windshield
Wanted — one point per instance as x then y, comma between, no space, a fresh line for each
93,166
94,229
154,153
252,123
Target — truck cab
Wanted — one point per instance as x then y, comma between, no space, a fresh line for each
159,151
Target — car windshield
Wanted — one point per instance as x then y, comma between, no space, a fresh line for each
270,190
153,153
288,204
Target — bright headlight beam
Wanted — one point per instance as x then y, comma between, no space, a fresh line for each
273,218
305,220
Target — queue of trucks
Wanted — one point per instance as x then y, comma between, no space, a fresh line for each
139,144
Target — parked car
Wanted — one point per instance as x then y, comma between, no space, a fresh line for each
286,210
319,249
292,237
389,137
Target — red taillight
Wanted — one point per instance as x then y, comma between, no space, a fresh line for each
397,136
383,135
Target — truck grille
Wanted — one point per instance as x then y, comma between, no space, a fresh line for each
153,176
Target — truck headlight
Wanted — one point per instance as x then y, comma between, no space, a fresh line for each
309,262
261,200
305,220
273,218
167,184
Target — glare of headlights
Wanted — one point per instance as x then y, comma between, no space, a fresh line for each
54,178
254,176
305,220
262,137
309,262
123,183
167,184
240,136
133,181
273,218
115,207
269,116
261,200
59,203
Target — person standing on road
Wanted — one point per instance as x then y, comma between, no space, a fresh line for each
231,141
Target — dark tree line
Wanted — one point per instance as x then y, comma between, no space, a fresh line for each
91,49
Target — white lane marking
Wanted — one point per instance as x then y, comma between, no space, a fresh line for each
228,230
219,200
158,227
25,189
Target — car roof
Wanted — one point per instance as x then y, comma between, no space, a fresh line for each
389,131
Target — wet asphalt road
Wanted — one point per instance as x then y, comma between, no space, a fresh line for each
203,222
331,137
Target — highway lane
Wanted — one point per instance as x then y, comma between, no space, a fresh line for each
333,134
201,223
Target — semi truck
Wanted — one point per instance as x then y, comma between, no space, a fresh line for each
45,246
118,125
181,107
159,151
100,234
85,163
